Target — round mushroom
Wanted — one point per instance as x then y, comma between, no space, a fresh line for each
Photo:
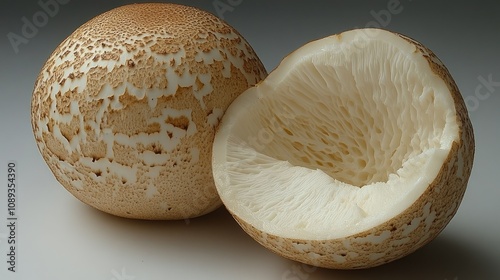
125,109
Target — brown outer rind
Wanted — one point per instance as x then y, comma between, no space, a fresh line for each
408,231
137,46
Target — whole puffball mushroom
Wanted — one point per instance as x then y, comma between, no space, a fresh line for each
125,109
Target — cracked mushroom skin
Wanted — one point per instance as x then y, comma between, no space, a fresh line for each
125,109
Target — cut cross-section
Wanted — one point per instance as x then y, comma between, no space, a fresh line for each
355,151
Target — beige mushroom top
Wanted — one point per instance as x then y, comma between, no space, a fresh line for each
124,110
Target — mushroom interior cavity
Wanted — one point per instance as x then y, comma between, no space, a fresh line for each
357,121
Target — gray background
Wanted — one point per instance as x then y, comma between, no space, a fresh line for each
60,238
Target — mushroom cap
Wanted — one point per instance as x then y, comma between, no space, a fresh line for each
355,151
125,109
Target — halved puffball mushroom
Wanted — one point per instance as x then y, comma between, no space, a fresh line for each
125,109
355,151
